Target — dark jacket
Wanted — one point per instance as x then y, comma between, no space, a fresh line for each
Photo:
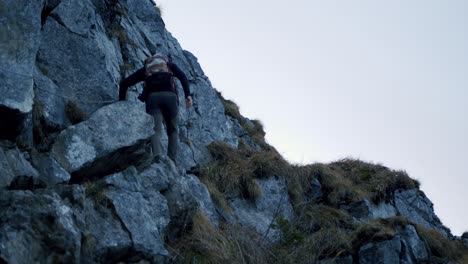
139,76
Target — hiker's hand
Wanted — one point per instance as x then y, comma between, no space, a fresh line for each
188,101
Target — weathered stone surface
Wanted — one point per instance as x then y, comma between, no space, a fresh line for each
50,172
78,56
15,170
414,205
186,196
108,141
261,214
20,36
385,252
49,108
141,208
365,210
104,237
37,228
413,248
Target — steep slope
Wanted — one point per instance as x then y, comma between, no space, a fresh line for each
77,184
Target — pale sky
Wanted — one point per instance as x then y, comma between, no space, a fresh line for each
382,81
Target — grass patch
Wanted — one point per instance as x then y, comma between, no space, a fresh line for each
442,249
210,245
374,181
233,171
74,113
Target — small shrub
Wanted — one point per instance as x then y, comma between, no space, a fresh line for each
74,113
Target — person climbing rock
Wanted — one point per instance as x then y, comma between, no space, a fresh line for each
161,98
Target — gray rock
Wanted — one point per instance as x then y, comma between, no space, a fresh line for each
414,205
185,197
145,217
78,57
315,190
20,35
15,171
49,107
385,252
37,228
260,215
141,208
365,210
104,237
110,140
413,248
50,172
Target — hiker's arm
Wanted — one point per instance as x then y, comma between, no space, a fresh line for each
133,79
179,74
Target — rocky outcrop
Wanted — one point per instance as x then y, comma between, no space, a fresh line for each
406,247
261,214
20,35
110,140
414,205
186,197
15,169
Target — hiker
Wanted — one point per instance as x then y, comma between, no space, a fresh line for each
161,98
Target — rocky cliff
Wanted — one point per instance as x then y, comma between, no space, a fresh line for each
77,183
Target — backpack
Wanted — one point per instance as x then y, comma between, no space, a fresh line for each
157,72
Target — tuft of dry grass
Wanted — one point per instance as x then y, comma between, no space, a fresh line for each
374,181
74,113
228,244
233,171
441,248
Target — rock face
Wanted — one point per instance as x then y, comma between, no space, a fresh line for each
15,170
406,247
101,145
90,193
20,35
414,205
261,214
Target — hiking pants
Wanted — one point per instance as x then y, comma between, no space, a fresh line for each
163,106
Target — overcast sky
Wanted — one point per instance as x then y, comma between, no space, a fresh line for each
382,81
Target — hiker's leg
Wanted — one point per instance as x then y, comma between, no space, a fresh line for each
156,138
153,108
173,135
170,111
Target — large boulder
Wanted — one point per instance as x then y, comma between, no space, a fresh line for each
185,197
109,141
15,169
262,213
414,205
104,237
142,210
20,37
